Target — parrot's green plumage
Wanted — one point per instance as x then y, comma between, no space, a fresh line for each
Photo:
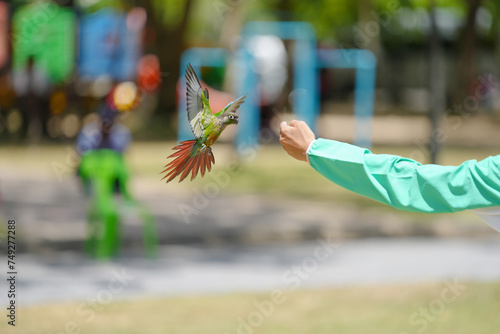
196,155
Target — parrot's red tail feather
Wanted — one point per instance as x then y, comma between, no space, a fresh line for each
209,160
187,169
203,165
196,166
189,157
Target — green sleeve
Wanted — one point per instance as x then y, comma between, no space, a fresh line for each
406,184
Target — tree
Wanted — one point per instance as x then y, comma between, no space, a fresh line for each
168,22
466,65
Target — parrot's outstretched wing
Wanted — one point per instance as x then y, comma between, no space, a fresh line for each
198,108
233,106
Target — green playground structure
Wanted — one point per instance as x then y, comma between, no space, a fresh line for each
45,32
103,173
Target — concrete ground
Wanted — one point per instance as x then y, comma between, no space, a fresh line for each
191,270
52,215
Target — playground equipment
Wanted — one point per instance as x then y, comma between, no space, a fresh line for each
307,61
365,64
103,171
110,46
50,45
305,103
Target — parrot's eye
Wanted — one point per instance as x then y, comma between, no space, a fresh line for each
231,117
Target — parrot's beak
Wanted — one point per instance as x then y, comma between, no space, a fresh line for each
236,120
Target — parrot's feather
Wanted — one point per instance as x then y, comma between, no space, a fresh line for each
188,168
193,93
212,158
184,156
232,106
198,108
176,166
203,165
197,125
174,171
196,166
175,154
207,163
191,158
181,154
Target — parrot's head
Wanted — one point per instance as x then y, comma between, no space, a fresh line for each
230,118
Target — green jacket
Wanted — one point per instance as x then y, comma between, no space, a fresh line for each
406,184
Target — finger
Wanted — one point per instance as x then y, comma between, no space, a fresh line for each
294,123
283,126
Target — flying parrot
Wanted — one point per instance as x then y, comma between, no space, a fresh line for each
196,155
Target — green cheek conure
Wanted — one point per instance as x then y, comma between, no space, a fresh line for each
196,155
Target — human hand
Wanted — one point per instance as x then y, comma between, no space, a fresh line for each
295,138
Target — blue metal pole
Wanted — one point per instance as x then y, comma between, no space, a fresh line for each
364,97
365,63
249,114
306,97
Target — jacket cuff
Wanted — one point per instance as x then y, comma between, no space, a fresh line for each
308,149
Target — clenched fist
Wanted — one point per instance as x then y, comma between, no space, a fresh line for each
295,138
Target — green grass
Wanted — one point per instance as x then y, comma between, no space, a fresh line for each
269,171
360,310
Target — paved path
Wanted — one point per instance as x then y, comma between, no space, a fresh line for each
183,270
52,215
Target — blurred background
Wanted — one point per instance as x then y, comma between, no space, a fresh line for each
261,244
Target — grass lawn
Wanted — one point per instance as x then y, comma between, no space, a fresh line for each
422,308
268,171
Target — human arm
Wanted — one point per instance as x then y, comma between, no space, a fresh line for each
403,183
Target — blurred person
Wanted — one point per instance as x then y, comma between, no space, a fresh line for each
106,133
400,182
104,174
